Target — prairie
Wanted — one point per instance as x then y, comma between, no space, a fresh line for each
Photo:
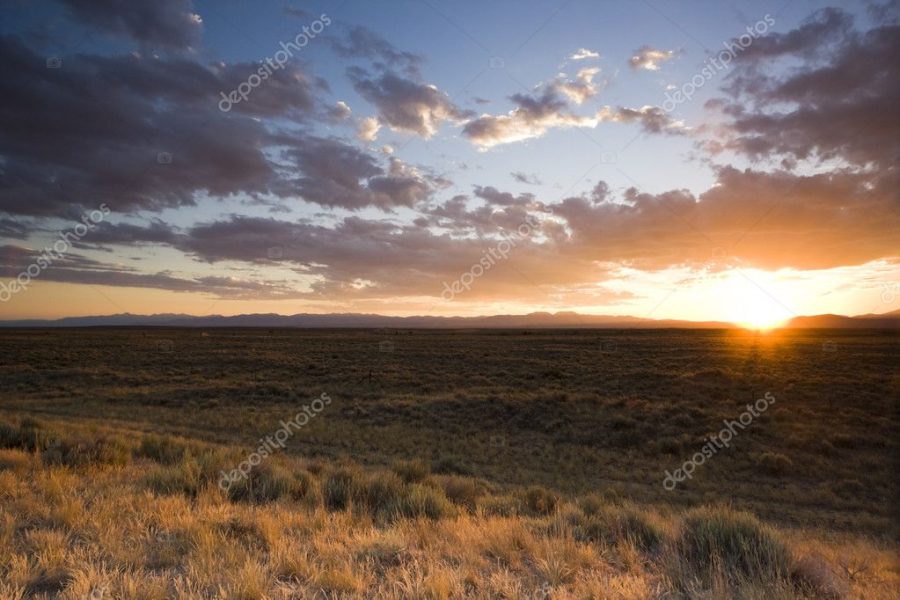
482,464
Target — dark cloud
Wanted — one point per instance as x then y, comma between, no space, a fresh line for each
78,269
361,42
405,104
166,24
11,228
337,174
884,12
494,196
819,30
525,178
103,233
361,258
135,133
842,106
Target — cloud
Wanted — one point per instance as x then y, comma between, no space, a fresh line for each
165,24
816,33
532,117
78,269
839,107
649,59
581,89
361,42
14,229
751,218
651,118
136,133
547,108
339,112
495,197
406,105
583,54
396,260
368,128
525,178
765,220
334,173
104,232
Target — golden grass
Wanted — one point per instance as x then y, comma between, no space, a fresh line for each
70,530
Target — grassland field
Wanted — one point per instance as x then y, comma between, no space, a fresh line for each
517,464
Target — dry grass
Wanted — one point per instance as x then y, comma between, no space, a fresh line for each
516,465
91,523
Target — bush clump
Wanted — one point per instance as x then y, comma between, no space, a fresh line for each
612,524
462,491
340,487
265,483
412,471
383,491
449,465
30,435
539,500
182,478
425,501
774,463
721,542
81,452
161,448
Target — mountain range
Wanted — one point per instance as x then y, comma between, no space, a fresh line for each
535,320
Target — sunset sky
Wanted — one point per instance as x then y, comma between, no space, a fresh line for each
697,160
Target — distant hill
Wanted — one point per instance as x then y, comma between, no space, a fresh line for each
535,320
883,321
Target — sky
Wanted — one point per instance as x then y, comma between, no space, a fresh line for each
701,160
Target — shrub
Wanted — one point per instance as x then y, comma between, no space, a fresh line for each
849,488
161,448
451,466
29,435
425,501
592,504
817,577
412,471
774,463
383,492
723,542
14,460
499,506
462,491
612,524
844,440
340,487
264,483
80,452
306,487
539,500
183,478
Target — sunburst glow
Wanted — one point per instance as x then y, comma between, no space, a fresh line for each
749,299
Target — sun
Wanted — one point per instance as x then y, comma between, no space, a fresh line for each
750,302
762,320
